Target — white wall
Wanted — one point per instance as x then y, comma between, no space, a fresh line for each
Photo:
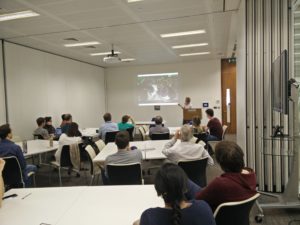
241,77
42,84
200,80
2,96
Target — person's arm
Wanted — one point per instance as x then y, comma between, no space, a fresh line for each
20,157
45,134
212,194
205,154
2,163
180,106
167,149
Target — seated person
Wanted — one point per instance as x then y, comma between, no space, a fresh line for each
67,120
125,154
8,148
186,149
171,184
48,125
196,123
2,163
237,183
41,131
158,128
108,126
214,127
72,136
124,125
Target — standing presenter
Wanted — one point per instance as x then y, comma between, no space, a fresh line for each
187,105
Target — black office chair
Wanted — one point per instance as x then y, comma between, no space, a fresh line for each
124,174
38,137
195,170
163,136
110,136
235,213
12,173
130,131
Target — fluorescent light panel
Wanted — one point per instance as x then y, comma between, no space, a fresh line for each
185,33
18,15
83,44
195,53
103,53
189,45
158,74
165,103
127,60
131,1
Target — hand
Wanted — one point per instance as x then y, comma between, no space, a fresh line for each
2,163
177,135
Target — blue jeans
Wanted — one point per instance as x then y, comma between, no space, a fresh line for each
27,179
210,137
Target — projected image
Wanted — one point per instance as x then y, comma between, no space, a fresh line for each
158,89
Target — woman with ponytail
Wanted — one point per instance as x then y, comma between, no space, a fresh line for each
171,183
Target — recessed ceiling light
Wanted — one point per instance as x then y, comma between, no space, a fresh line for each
130,1
104,53
185,33
195,53
18,15
82,44
127,60
190,45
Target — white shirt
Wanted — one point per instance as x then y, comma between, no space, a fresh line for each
189,106
65,140
182,151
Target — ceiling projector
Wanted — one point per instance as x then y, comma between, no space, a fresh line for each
112,58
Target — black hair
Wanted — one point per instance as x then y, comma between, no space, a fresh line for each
107,117
40,121
67,117
4,131
171,184
125,119
122,139
63,116
73,130
230,156
210,112
188,100
158,120
48,119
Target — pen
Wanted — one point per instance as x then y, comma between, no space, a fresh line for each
26,196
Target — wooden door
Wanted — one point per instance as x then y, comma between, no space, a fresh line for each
228,85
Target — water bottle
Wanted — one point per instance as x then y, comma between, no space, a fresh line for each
24,145
51,142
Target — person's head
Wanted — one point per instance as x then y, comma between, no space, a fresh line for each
186,133
187,100
68,118
107,117
122,139
125,119
63,117
196,121
40,122
171,184
5,132
230,156
158,120
209,113
73,130
48,120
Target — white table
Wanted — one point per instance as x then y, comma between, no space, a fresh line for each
90,132
151,150
105,205
139,123
172,130
37,147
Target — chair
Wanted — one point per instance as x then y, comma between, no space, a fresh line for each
110,136
12,173
162,136
124,174
94,170
100,144
146,128
235,213
130,131
65,161
195,170
38,137
213,144
143,134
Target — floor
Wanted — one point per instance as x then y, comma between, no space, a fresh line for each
48,177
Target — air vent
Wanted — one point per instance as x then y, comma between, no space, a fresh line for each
71,39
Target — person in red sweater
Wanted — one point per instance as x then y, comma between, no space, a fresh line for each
237,183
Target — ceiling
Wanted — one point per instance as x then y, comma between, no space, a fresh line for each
133,28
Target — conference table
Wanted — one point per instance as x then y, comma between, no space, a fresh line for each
90,132
151,150
94,205
140,123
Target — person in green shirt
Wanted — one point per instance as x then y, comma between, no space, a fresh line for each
124,125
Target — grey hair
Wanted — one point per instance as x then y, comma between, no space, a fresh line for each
186,133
